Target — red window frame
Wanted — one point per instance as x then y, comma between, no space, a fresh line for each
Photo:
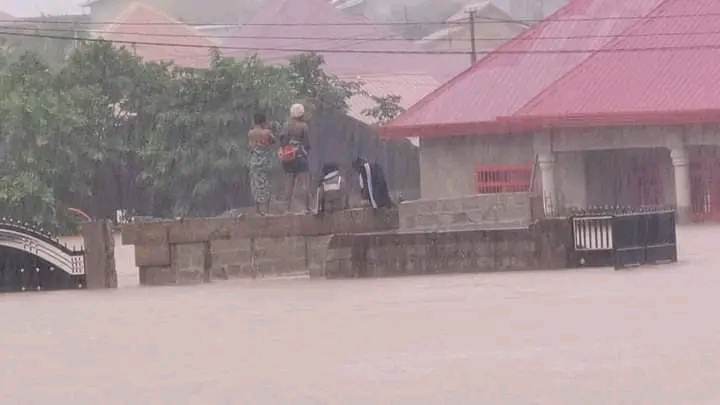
503,178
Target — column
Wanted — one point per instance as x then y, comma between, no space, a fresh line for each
681,169
546,163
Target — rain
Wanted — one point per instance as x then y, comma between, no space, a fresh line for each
359,201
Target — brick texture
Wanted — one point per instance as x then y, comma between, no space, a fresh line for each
483,211
205,229
157,275
188,263
152,255
230,252
232,257
379,255
198,249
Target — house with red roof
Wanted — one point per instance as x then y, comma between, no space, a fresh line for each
613,102
155,36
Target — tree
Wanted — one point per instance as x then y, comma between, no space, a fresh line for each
316,88
107,131
201,157
34,118
386,110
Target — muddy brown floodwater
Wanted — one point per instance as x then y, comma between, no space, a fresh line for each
646,336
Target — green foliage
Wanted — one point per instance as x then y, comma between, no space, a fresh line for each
107,131
386,110
317,89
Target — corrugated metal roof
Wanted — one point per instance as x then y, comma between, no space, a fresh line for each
142,23
669,80
290,18
503,82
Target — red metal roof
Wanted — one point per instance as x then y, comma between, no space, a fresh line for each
316,25
681,80
502,83
142,23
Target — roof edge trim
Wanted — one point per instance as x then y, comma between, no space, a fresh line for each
632,118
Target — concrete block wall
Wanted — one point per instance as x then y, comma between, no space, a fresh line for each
482,211
269,256
542,246
197,250
362,246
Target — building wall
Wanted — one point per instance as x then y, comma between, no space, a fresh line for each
582,172
570,179
448,165
631,177
608,138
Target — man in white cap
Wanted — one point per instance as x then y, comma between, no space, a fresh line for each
293,153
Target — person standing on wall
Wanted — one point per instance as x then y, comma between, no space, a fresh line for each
261,140
293,153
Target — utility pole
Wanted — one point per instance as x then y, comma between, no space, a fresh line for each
473,51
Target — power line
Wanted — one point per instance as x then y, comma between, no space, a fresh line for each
375,39
373,23
389,52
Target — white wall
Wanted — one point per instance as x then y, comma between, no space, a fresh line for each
570,179
447,165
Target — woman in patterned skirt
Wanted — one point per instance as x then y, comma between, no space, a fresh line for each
261,140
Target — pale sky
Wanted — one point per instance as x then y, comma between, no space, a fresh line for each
32,8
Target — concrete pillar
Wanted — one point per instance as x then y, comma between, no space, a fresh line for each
99,244
546,163
681,169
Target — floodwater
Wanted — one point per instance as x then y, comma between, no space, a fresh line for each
646,336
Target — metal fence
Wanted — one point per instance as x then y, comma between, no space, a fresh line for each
32,259
623,237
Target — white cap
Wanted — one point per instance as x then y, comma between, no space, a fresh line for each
297,111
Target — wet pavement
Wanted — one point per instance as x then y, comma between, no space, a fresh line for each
645,336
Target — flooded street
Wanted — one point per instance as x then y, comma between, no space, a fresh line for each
645,336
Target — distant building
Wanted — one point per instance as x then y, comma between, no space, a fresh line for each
139,24
493,27
192,12
52,37
439,10
352,46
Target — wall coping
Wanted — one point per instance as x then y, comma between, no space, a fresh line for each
194,230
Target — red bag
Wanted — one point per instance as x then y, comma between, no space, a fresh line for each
287,153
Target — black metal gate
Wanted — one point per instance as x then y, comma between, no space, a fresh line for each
623,237
32,260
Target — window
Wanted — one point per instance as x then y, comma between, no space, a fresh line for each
503,178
